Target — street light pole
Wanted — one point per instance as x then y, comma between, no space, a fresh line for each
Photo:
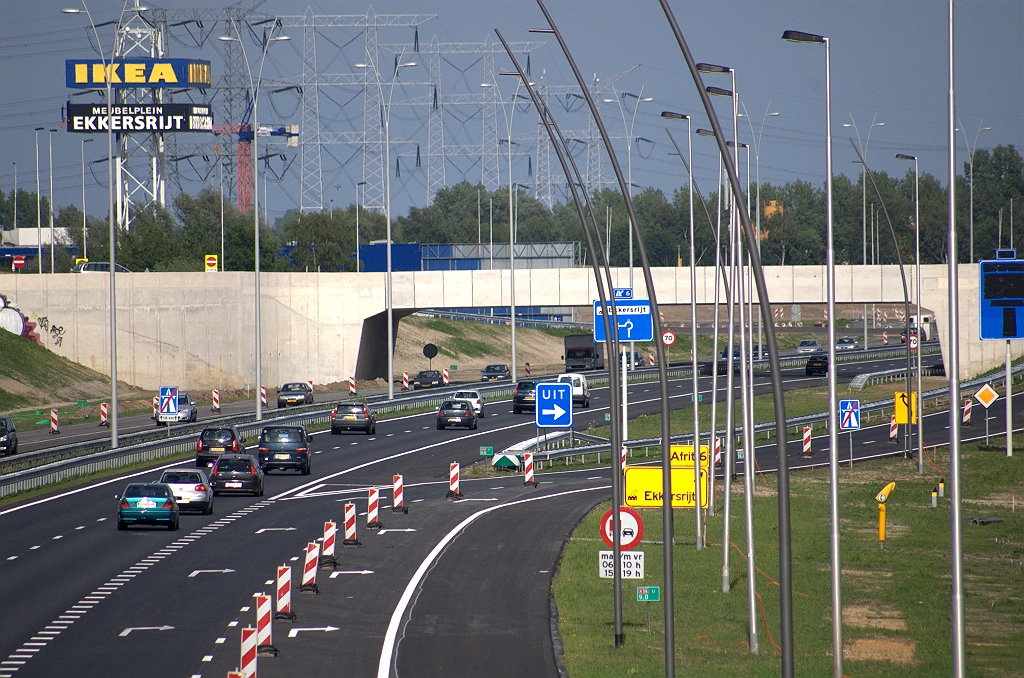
917,302
39,209
833,434
52,241
970,163
864,201
757,189
358,209
85,226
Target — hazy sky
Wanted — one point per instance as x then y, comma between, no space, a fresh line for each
888,59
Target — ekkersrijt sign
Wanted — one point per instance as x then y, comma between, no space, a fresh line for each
146,118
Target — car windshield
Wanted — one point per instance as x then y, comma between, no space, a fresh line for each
182,399
576,353
293,387
3,426
220,435
236,464
147,491
181,477
809,342
846,340
495,368
428,374
282,435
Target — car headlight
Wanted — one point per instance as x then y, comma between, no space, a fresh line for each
3,438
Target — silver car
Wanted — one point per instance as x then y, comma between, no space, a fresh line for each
187,411
809,346
846,344
191,489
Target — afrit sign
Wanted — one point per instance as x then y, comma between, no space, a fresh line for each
131,73
644,488
92,118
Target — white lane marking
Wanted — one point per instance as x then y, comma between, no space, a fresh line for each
397,529
500,487
37,546
387,651
482,499
100,520
235,623
80,527
220,641
275,529
596,478
416,501
316,452
338,573
59,536
389,435
12,557
208,658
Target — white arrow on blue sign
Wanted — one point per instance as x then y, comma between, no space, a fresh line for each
849,415
634,317
554,405
168,400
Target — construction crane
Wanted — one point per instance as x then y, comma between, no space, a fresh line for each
243,160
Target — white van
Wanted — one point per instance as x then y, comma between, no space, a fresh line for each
580,388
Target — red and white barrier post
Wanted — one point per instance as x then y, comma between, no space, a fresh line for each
104,410
528,468
807,441
310,382
894,430
284,593
453,482
405,381
885,338
264,626
527,369
651,356
718,451
156,405
350,526
398,495
248,659
263,395
352,385
54,428
622,453
216,401
373,509
444,376
309,569
967,412
327,558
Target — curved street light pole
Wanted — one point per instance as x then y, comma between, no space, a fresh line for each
85,225
917,303
970,164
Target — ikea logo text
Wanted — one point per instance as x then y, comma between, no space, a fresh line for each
146,73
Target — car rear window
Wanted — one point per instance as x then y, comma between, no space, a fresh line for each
179,478
237,464
350,409
218,434
467,394
282,435
147,491
527,385
455,405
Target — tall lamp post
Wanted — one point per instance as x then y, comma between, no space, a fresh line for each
917,303
15,194
254,87
864,200
970,162
85,225
52,241
39,209
358,209
386,117
833,434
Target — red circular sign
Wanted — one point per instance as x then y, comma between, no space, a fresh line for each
668,337
631,528
19,261
211,261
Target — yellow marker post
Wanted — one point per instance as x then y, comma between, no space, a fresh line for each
881,498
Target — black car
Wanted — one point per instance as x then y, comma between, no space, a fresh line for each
817,365
217,440
495,373
285,448
8,436
456,413
237,473
427,379
353,417
524,396
295,393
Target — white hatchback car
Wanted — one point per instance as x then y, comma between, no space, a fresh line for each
191,489
580,388
473,397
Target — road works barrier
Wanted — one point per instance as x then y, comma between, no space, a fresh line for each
444,376
398,495
528,468
264,626
216,401
405,381
54,428
263,395
247,664
453,482
103,414
807,441
967,412
372,507
352,385
284,593
309,569
894,430
327,559
350,526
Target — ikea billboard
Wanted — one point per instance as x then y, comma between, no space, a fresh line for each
134,73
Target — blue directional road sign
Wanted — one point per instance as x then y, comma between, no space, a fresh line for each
622,292
554,405
1002,298
168,400
635,321
849,415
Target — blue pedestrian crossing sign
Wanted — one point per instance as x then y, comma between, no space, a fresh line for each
849,415
554,405
168,400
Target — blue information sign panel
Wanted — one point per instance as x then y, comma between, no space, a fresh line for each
1002,299
168,403
554,405
849,415
622,292
635,321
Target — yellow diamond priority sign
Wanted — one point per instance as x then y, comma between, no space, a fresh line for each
986,396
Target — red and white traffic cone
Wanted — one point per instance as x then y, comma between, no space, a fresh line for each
103,414
156,405
248,659
284,593
405,381
327,559
444,376
263,395
350,526
527,369
264,626
352,385
216,401
528,468
309,569
807,441
372,509
894,430
453,482
967,412
54,428
398,495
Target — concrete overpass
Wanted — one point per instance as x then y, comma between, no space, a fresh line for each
196,329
